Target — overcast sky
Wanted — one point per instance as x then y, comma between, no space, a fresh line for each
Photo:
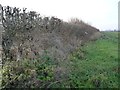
103,14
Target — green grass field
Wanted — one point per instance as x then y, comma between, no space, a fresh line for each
95,65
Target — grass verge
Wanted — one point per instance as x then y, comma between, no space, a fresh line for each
95,65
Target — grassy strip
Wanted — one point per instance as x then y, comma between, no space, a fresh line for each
95,65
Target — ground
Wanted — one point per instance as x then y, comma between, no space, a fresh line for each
95,65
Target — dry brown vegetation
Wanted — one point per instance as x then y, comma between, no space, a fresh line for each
34,34
45,33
